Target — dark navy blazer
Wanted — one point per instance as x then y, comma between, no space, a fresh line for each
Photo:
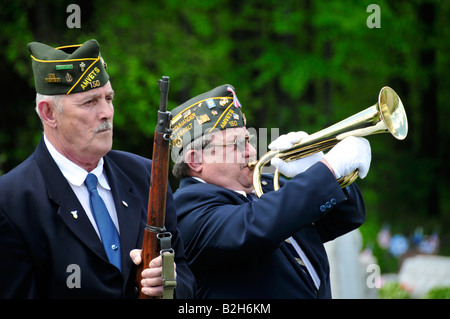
236,249
42,244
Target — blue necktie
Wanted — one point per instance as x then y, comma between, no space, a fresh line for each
108,231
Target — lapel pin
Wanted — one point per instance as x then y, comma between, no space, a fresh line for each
74,214
124,203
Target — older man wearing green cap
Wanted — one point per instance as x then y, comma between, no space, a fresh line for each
239,246
73,214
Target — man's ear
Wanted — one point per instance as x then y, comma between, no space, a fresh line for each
46,113
194,160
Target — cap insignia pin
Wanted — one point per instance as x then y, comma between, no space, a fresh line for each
64,67
223,101
52,78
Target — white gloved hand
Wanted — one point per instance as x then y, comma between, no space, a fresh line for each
285,142
348,155
290,169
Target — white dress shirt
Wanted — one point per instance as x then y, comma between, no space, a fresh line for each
76,176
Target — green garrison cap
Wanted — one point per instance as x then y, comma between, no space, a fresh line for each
215,109
67,69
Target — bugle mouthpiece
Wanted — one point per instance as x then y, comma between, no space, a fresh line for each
251,165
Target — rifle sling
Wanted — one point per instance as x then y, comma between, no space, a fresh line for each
169,281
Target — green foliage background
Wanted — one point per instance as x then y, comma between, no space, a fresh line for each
296,65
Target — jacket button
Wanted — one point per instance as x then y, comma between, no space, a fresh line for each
333,201
328,204
323,208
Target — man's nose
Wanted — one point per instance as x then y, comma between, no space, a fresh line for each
250,150
106,110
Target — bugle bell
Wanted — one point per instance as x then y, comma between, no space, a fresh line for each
386,116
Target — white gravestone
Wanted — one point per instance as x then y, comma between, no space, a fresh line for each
421,273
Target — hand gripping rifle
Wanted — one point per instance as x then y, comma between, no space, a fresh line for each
156,239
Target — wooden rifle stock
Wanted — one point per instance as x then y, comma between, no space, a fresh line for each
155,231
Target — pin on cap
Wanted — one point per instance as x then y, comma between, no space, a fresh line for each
55,69
215,109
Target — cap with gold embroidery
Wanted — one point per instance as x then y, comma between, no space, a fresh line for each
67,69
215,109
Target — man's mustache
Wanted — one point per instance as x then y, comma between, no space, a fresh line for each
106,125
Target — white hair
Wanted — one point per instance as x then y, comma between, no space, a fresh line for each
54,98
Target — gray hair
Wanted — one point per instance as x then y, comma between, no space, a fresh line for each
181,168
54,98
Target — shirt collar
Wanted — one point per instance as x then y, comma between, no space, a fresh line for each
239,192
75,174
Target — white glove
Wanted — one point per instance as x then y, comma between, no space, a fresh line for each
348,155
290,169
285,141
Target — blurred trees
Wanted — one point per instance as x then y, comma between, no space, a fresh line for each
296,65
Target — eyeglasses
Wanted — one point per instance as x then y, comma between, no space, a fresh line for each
240,142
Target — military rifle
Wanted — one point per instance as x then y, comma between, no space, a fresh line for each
157,240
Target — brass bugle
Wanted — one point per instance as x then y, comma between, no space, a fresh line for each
386,116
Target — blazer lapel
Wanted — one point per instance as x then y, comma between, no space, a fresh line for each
75,218
70,209
128,206
308,250
297,267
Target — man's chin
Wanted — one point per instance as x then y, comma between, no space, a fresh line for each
104,147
